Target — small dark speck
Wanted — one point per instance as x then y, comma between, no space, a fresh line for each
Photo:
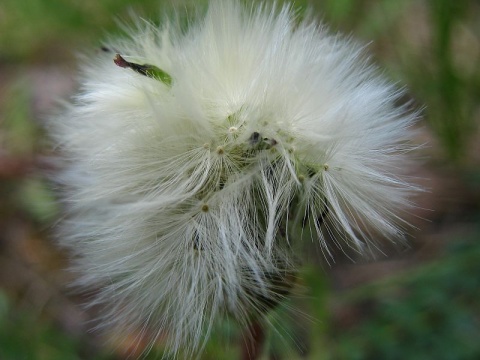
255,138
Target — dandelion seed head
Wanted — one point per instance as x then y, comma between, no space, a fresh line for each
188,160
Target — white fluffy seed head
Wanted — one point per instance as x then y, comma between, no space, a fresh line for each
184,180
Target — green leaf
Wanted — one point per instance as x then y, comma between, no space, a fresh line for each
145,69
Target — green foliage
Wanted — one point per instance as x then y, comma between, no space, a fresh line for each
429,313
32,29
19,134
20,137
22,336
36,199
447,84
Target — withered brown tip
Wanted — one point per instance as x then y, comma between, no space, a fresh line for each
120,61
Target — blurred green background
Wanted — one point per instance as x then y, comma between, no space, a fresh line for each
418,303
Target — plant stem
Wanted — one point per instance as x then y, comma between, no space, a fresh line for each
253,341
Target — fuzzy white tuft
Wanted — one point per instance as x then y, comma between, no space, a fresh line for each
182,190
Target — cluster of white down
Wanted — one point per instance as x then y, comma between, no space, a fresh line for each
182,195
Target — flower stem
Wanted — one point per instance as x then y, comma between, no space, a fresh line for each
253,340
